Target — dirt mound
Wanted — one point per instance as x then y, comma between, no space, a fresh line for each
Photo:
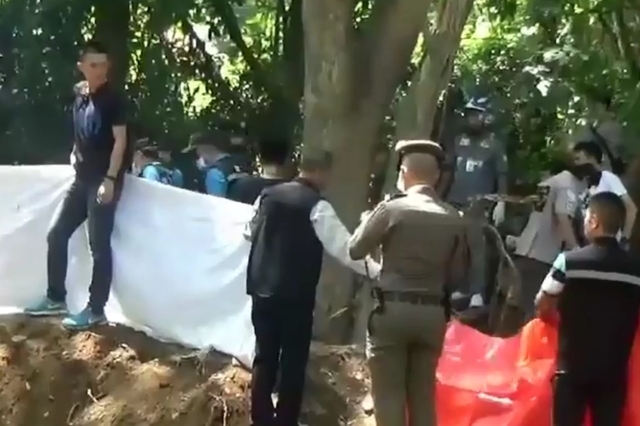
116,376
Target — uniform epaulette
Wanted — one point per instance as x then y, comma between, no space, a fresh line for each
390,197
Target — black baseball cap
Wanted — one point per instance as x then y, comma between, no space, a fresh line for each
217,139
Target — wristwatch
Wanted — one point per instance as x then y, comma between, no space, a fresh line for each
111,178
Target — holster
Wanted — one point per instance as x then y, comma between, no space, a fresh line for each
446,302
378,306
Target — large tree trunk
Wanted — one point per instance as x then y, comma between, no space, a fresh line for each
417,111
112,28
350,78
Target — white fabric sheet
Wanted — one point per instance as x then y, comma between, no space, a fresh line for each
179,259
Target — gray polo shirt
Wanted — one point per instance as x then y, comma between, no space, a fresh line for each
479,161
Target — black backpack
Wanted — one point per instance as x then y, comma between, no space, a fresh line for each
229,168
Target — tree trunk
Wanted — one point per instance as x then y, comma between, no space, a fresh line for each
112,28
350,78
417,111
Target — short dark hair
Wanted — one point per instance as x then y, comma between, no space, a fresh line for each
610,211
312,163
150,152
274,151
93,46
590,149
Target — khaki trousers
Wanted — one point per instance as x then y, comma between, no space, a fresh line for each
404,346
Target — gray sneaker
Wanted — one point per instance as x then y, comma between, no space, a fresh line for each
47,308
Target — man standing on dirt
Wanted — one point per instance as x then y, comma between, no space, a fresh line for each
595,291
480,168
292,226
422,244
100,157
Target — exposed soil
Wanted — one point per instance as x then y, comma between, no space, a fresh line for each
116,376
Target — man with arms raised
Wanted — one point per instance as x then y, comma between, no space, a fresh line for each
100,158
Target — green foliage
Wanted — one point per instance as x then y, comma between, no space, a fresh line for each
190,64
546,64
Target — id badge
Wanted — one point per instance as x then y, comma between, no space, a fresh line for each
470,166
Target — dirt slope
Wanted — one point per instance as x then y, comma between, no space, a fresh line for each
116,376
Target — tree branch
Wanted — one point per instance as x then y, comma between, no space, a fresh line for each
389,39
227,15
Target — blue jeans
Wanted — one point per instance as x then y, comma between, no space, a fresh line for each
80,204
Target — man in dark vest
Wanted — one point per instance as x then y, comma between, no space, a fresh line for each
291,228
595,292
274,156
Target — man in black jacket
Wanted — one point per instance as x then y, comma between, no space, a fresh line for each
274,156
292,227
596,290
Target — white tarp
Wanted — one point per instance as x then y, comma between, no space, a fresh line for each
179,258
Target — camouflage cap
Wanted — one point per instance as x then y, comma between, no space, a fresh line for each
424,146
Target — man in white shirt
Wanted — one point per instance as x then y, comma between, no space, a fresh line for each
588,161
292,227
548,232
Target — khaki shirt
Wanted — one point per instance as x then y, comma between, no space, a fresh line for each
541,239
423,241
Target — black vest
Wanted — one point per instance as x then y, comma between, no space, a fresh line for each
286,255
598,309
248,188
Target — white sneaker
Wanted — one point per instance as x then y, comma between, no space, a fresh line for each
476,301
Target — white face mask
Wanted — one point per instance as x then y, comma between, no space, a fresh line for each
201,163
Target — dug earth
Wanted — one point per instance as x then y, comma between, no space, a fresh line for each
116,376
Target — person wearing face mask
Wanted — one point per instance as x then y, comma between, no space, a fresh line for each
587,156
480,168
217,167
593,295
147,165
422,243
291,228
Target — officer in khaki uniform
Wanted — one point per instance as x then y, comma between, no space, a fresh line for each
422,242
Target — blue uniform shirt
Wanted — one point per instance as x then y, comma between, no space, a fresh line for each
215,182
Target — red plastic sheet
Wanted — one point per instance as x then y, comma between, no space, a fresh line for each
488,381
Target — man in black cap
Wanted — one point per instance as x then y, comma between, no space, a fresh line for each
292,227
274,156
147,164
217,166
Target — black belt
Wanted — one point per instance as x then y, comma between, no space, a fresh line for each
412,298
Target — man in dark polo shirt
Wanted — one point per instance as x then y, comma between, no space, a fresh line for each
292,226
274,156
100,157
595,292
